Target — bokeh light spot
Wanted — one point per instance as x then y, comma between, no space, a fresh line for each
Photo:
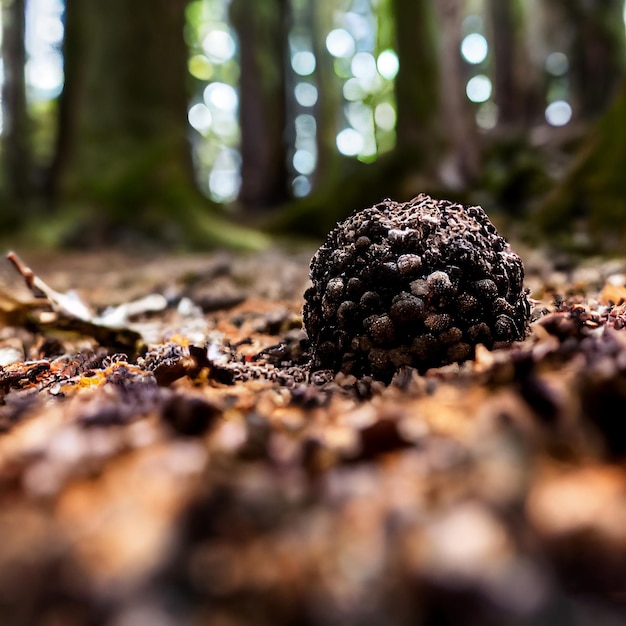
219,46
221,96
474,48
306,125
45,74
557,64
558,113
306,94
349,142
200,117
360,117
301,186
388,64
364,66
303,63
385,116
340,43
353,90
49,29
200,67
487,115
356,24
478,88
304,162
225,179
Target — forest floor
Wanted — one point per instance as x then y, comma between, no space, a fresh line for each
189,469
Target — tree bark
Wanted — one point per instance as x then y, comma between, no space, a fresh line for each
463,153
517,84
586,208
436,130
594,44
597,59
124,101
329,99
262,29
433,124
123,161
417,84
16,153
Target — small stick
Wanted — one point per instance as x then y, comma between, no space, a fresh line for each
66,303
28,274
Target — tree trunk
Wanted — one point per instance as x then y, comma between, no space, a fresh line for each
262,29
597,52
329,100
17,161
418,100
587,207
435,127
123,161
517,84
463,154
427,128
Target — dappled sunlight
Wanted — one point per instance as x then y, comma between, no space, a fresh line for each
557,64
200,67
305,94
340,43
385,116
304,162
487,115
351,61
479,88
388,64
350,142
303,63
301,186
367,68
365,64
474,48
44,35
45,76
221,96
213,112
558,113
224,179
353,89
200,117
219,46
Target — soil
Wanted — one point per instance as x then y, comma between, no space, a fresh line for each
189,468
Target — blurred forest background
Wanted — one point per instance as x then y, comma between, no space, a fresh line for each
195,123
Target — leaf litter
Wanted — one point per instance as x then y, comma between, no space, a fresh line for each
176,449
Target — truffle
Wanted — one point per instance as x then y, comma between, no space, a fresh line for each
419,283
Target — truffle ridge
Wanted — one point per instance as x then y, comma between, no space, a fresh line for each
419,283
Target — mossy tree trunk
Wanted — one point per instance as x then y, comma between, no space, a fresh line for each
262,29
513,168
329,169
436,130
457,114
16,153
419,132
517,81
587,209
425,134
123,162
597,53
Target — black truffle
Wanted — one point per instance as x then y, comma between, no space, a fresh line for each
417,283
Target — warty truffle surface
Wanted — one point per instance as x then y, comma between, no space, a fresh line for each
419,283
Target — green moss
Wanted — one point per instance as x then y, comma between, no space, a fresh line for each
592,196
